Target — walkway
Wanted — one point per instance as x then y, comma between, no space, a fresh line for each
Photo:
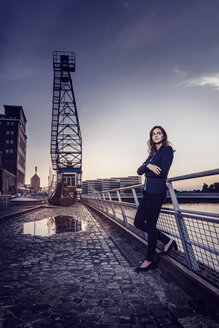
82,279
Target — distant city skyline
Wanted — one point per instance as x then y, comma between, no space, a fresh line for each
138,64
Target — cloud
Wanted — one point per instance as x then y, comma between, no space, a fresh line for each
180,72
204,80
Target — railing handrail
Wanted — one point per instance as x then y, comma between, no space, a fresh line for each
193,212
121,188
194,175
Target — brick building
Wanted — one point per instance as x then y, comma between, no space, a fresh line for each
7,180
13,143
35,183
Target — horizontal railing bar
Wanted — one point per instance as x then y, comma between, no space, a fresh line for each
212,220
117,202
195,175
165,211
208,249
122,188
199,213
168,208
201,218
215,215
132,205
170,234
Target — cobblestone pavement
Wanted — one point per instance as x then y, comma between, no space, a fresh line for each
81,279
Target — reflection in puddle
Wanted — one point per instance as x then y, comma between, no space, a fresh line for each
50,226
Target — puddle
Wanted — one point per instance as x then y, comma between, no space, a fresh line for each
51,226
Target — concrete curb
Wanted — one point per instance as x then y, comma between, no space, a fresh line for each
24,211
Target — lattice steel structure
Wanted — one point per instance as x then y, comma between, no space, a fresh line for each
66,141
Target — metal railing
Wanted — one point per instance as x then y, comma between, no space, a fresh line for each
196,232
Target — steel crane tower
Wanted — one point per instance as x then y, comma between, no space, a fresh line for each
66,141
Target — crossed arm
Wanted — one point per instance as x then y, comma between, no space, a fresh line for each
155,171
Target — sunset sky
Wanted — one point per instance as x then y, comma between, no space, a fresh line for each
139,63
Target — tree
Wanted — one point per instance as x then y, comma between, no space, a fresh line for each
205,188
214,187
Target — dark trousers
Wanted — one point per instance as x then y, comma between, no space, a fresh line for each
146,220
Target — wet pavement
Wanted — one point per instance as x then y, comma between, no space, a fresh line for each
52,225
83,279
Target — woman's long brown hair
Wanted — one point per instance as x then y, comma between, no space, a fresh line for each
151,145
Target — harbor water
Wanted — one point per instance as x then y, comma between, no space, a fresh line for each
202,207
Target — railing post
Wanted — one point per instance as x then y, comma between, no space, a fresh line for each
190,256
135,197
95,199
122,210
101,203
145,235
106,207
93,202
112,206
98,200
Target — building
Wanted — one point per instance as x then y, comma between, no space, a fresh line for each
112,183
89,186
13,143
7,180
85,187
99,185
130,181
35,183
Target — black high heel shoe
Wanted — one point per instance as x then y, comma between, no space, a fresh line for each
150,266
172,245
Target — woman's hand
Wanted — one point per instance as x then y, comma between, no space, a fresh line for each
156,169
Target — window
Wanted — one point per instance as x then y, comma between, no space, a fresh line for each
12,123
21,160
8,123
7,150
11,142
7,132
7,141
12,132
11,151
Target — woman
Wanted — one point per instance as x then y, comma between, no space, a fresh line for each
156,169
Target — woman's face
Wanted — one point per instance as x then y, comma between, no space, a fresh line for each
157,136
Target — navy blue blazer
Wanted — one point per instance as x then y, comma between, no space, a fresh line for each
156,183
